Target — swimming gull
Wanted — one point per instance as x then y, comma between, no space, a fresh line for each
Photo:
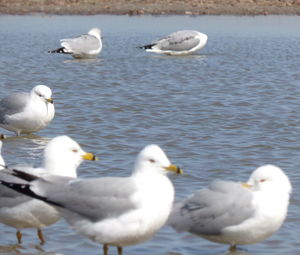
84,46
182,42
235,213
114,211
25,113
62,156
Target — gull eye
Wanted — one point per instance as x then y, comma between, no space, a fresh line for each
152,161
75,150
262,180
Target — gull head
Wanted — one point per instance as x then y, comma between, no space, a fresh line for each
270,178
152,159
95,32
43,92
62,156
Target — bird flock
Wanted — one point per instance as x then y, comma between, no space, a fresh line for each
122,211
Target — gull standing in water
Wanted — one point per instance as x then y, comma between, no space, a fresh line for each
83,46
182,42
114,211
236,213
25,113
62,157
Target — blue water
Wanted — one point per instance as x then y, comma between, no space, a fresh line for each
219,114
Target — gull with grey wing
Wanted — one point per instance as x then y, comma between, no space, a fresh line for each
236,213
182,42
62,157
114,211
83,46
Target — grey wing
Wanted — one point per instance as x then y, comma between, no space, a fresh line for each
81,44
210,210
94,199
8,197
12,104
179,41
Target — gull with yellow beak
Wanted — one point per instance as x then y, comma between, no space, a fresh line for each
25,113
62,157
236,213
114,211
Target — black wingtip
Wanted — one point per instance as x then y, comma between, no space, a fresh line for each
23,175
20,174
21,188
145,47
59,50
25,189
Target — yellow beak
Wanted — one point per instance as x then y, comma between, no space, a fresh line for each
49,100
175,169
246,185
89,156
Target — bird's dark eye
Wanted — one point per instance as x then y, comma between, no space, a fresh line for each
75,150
262,180
152,160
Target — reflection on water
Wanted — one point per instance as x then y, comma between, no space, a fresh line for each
86,61
30,147
237,252
197,56
19,249
218,114
11,248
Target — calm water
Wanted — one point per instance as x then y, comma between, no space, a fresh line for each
219,114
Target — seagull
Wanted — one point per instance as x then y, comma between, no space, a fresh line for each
114,211
83,46
182,42
236,213
25,113
62,157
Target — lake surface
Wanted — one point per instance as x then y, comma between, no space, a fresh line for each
218,114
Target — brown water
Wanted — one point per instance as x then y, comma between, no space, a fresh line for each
218,114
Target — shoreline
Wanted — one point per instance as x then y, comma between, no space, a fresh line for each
150,7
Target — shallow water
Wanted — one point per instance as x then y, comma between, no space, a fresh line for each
218,114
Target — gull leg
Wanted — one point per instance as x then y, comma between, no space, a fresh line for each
232,248
120,250
105,249
41,236
19,236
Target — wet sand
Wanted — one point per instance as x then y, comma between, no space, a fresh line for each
155,7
